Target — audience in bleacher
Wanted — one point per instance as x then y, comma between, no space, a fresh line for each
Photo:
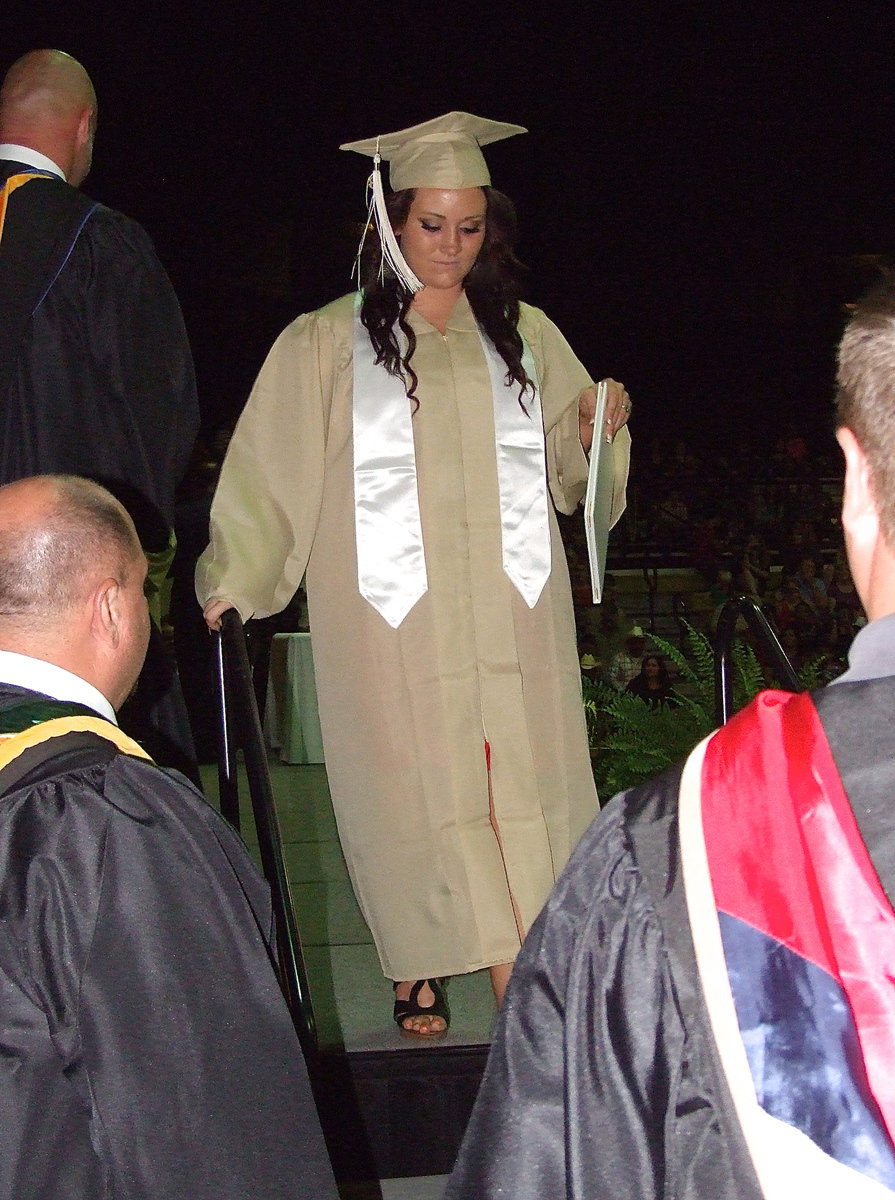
760,524
652,684
627,662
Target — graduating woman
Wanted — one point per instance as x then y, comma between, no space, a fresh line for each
400,449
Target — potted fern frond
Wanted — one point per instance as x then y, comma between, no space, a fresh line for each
631,741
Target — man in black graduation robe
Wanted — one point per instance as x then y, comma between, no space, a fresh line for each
605,1077
96,374
147,1049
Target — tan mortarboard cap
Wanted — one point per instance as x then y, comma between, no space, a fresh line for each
442,153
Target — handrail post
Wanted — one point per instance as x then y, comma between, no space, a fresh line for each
292,972
651,579
228,782
727,620
735,607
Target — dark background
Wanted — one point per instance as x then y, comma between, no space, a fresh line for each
697,195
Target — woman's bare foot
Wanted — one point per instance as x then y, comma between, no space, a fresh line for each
419,1022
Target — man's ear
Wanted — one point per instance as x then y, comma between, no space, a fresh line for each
105,603
860,518
85,127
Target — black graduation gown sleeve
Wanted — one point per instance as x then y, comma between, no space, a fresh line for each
146,1049
105,385
601,1081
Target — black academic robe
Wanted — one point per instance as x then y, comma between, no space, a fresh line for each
103,384
603,1081
97,380
146,1048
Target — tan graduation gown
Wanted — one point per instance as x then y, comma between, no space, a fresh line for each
436,865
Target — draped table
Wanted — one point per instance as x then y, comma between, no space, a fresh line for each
291,721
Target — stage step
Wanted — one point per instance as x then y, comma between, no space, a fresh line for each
389,1115
393,1109
422,1187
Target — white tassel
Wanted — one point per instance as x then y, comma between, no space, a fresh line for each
391,251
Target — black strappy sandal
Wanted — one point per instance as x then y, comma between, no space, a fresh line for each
413,1008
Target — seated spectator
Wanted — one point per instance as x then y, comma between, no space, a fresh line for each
831,658
723,589
626,664
789,609
802,539
711,549
147,1049
811,586
672,519
603,625
604,622
842,592
792,647
653,684
754,573
589,661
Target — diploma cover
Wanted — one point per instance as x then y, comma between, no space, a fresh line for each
598,498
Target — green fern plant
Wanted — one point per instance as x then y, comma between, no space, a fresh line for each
631,741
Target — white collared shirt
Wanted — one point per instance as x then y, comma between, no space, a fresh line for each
33,158
40,676
872,653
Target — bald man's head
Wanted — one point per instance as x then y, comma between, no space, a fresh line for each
72,578
47,103
58,535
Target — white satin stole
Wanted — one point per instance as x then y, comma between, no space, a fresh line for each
391,561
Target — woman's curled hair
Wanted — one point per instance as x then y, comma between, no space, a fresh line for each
493,287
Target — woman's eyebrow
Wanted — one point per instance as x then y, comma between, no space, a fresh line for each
442,217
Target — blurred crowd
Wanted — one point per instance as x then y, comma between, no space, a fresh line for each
763,526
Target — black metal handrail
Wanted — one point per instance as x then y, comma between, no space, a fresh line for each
651,579
736,607
240,725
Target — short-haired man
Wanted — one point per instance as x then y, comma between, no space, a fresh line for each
96,374
705,1009
146,1049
